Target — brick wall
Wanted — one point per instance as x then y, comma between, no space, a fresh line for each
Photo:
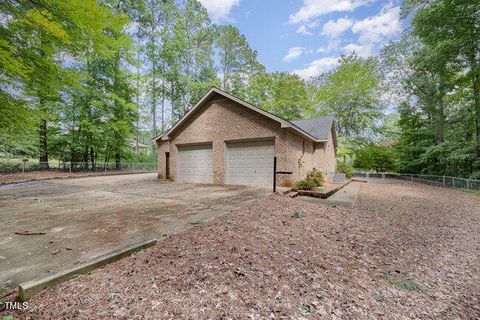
324,157
225,120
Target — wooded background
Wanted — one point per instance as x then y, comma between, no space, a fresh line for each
94,81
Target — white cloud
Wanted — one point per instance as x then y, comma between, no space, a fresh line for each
361,50
333,29
317,67
304,28
316,8
219,9
376,28
333,44
293,53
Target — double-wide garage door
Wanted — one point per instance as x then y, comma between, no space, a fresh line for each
250,163
246,163
195,164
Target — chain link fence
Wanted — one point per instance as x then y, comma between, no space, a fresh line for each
18,170
442,181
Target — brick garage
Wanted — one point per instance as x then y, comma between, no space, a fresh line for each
223,139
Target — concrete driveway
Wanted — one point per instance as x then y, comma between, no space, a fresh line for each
80,219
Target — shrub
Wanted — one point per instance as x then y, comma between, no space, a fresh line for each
305,185
344,167
313,180
378,158
475,175
316,177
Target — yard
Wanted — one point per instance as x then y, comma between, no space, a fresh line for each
404,251
75,220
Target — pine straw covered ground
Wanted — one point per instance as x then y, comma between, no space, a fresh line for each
406,251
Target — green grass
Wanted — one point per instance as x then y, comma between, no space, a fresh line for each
306,309
297,215
74,277
377,297
194,223
475,192
406,284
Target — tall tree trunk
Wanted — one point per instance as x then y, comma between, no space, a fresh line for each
476,99
163,105
43,144
92,158
154,107
117,160
441,118
137,94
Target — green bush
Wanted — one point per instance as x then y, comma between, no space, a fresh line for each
10,166
316,177
475,175
313,180
344,167
305,185
373,157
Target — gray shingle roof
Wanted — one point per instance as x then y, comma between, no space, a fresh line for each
319,128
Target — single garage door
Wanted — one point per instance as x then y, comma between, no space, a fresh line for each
194,163
250,163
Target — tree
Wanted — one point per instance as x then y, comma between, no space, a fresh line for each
238,62
351,94
37,35
193,46
439,131
374,157
285,95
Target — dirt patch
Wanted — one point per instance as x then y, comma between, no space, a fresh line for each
405,251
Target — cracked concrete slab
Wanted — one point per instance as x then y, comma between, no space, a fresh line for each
87,217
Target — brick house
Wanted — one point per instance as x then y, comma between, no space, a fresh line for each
225,140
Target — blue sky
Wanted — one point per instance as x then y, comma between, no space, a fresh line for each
306,37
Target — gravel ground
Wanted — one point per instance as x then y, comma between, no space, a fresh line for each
405,251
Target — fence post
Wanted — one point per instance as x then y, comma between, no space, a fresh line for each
274,174
468,183
23,167
453,183
105,167
383,177
70,166
411,178
443,181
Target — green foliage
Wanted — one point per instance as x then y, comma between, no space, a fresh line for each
377,297
283,94
351,93
238,62
440,112
475,175
313,180
344,167
316,177
409,285
305,185
373,157
297,214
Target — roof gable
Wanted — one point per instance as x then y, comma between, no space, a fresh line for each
298,126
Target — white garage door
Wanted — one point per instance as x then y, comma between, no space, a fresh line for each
194,163
250,163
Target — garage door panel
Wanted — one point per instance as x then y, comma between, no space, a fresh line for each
250,163
194,164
